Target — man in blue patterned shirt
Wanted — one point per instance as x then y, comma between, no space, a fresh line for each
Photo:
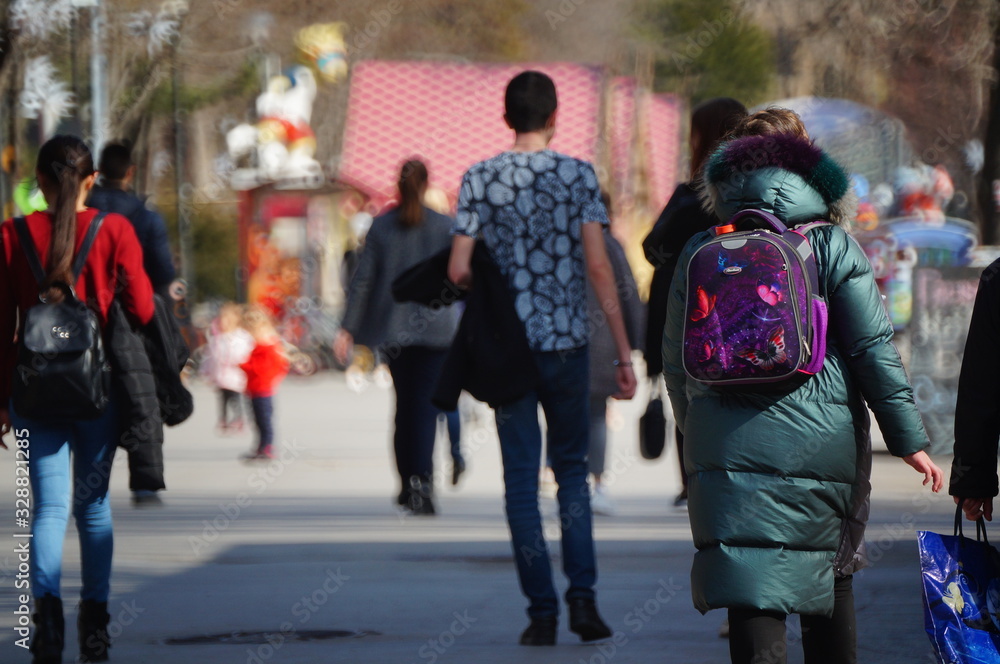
541,216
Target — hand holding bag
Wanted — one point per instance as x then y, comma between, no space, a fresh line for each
961,584
653,424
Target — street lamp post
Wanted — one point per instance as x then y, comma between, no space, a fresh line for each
98,69
180,189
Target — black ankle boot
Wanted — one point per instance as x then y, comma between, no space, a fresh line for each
47,644
421,496
541,632
585,621
92,631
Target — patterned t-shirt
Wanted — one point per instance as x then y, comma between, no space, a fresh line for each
529,207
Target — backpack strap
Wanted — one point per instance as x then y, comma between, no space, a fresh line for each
88,242
31,253
758,216
805,228
21,226
805,251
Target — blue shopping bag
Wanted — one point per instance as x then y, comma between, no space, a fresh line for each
961,582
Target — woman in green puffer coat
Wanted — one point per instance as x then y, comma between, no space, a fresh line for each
779,477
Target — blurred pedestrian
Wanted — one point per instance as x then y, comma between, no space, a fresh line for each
779,478
453,427
114,193
681,219
229,346
414,338
977,412
541,218
602,368
265,368
112,269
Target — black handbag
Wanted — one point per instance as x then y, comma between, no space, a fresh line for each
653,424
62,371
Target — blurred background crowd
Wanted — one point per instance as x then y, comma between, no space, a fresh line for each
269,135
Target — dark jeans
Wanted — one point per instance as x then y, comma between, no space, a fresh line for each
758,637
563,392
230,408
415,371
598,435
453,421
263,417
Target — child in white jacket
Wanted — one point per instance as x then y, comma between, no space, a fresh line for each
229,346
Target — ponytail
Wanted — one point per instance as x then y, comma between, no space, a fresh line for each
412,182
64,162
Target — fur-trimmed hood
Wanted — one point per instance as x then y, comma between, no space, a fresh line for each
784,174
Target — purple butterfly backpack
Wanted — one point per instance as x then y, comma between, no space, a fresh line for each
754,313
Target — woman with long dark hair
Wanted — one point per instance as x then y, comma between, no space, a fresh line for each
413,337
681,219
113,267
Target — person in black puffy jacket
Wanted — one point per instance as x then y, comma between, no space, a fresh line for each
977,413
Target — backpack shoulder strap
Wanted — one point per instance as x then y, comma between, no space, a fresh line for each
805,228
28,246
31,253
88,242
806,253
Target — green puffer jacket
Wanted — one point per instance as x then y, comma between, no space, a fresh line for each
778,478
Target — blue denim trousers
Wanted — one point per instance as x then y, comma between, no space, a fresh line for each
88,446
563,392
453,422
263,417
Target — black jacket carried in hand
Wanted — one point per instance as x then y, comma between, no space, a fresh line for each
490,357
146,365
977,413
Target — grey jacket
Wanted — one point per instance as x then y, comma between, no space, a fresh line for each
371,316
602,345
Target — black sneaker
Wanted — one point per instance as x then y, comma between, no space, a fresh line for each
144,498
541,632
585,621
457,468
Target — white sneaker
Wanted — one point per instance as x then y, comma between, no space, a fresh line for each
601,504
547,487
382,376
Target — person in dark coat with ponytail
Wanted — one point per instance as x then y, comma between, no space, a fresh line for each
681,219
415,338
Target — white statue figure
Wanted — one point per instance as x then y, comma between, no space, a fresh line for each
284,142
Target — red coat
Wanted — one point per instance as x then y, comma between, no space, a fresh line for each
265,368
114,262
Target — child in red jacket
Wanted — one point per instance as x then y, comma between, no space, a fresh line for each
265,368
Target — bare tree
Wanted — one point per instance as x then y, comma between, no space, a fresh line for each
927,63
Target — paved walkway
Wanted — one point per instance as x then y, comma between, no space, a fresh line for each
311,543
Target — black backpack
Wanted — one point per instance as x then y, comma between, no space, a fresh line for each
62,372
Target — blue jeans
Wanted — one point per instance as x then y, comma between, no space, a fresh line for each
563,392
263,417
454,424
92,444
